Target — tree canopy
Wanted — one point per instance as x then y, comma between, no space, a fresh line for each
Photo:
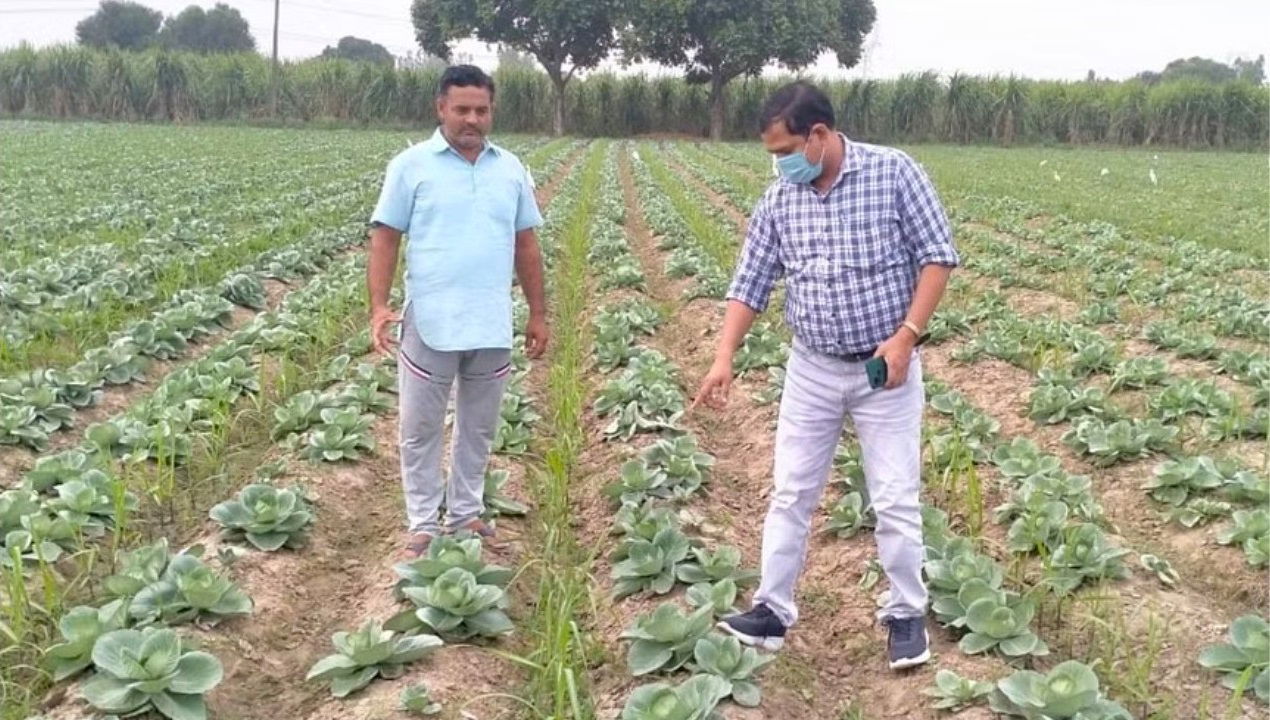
564,36
355,48
119,23
716,41
1209,70
219,30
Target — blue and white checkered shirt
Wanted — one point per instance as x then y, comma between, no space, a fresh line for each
850,257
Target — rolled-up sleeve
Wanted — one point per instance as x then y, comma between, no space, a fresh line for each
923,222
760,265
396,199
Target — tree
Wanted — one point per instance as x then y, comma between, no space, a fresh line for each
355,48
126,25
1253,71
1209,71
564,37
220,30
1198,68
718,40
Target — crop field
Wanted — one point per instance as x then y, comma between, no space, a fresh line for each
200,501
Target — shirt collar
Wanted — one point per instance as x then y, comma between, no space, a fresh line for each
438,144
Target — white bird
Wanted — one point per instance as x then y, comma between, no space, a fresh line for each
1151,174
1105,172
1056,177
1043,162
1155,158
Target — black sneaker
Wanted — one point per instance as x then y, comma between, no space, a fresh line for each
908,644
758,628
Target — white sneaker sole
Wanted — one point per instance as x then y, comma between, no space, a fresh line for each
922,659
771,644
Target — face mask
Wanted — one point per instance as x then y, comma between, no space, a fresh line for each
796,168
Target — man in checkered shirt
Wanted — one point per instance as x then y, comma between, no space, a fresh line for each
862,241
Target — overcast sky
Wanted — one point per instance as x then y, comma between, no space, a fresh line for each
1115,38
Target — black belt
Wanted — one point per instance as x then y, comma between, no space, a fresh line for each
854,357
868,354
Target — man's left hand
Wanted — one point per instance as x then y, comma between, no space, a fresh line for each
535,337
897,351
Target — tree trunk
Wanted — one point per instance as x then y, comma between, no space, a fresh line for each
558,82
717,85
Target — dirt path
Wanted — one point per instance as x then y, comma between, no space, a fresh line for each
735,215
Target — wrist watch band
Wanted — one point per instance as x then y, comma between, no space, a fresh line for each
912,326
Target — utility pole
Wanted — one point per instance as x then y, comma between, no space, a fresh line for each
275,78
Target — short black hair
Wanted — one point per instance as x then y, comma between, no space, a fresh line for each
800,104
465,76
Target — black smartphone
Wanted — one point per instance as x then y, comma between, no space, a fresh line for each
875,368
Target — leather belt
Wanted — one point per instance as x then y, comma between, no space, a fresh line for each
854,357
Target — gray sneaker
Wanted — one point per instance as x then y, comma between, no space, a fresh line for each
908,644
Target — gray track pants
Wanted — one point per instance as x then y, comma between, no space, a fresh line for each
819,392
425,377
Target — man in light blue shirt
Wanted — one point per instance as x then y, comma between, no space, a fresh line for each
468,209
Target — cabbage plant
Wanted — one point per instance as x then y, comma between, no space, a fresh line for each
954,693
664,639
80,628
417,700
650,565
1084,554
1250,530
266,516
711,567
725,657
998,620
367,653
720,596
847,516
1244,662
496,503
1175,480
456,605
446,552
1070,691
150,669
343,435
694,699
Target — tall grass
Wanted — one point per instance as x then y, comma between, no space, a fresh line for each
560,653
71,81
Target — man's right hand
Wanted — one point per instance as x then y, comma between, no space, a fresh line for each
381,321
715,386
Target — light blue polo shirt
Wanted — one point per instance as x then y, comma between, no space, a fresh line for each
461,220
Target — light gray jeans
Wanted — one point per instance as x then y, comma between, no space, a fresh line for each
424,378
820,391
